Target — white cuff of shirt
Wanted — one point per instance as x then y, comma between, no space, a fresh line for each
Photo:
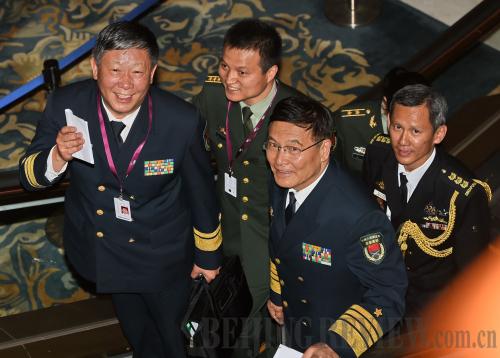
50,173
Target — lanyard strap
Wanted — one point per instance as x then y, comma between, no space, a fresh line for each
137,152
248,140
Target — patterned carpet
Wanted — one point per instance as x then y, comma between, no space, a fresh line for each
330,63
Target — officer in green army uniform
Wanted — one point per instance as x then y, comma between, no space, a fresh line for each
438,208
236,106
358,122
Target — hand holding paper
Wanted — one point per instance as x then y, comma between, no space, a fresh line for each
81,126
286,352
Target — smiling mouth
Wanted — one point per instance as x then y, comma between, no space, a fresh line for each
404,152
122,97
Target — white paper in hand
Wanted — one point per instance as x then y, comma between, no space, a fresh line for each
286,352
81,125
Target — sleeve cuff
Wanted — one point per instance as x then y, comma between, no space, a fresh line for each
358,328
208,248
50,173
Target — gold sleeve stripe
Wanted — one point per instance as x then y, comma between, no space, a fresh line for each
486,188
207,235
365,328
274,278
29,171
351,335
208,242
276,287
272,267
369,317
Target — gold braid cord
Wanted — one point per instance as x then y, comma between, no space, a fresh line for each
426,244
486,188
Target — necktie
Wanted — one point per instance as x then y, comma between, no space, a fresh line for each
403,189
247,122
118,127
290,209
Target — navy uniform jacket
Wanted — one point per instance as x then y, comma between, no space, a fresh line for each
356,124
245,219
157,247
444,225
336,269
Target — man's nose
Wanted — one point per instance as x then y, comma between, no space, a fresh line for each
125,80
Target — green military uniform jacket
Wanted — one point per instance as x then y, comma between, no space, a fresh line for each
444,225
245,218
356,125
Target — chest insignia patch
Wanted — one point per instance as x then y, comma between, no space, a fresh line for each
317,254
158,167
373,247
359,152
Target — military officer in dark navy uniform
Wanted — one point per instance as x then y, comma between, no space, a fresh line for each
337,277
438,207
140,212
357,123
236,106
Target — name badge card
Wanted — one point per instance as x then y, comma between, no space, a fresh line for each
122,209
230,184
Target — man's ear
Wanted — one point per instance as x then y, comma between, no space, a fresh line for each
95,69
271,73
325,150
153,74
440,133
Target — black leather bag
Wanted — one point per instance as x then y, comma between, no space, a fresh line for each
217,312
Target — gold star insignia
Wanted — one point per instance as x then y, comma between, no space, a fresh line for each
378,312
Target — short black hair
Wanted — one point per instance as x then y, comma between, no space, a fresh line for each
124,35
254,34
416,95
398,78
306,113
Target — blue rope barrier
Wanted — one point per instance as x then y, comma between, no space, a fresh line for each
69,59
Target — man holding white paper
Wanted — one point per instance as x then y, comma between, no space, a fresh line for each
140,213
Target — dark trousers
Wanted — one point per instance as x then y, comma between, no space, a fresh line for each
151,321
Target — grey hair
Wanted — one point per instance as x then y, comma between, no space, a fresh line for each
125,35
418,94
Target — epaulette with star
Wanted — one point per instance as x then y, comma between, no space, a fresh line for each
380,138
213,79
465,185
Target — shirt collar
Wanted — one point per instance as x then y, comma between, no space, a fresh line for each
302,195
259,108
416,175
128,120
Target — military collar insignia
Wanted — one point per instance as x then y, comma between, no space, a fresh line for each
380,185
373,122
373,247
271,212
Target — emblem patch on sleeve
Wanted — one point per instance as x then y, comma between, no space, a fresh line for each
158,167
317,254
373,247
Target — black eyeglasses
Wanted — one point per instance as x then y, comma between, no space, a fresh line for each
291,150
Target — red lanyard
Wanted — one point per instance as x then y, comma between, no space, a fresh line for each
248,140
105,140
